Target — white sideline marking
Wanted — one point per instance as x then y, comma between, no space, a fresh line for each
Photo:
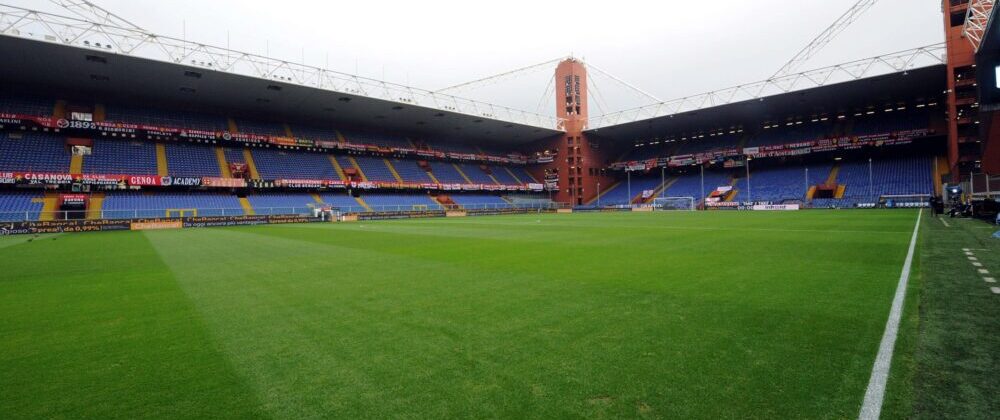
995,290
965,249
945,222
989,279
973,259
984,271
977,264
871,408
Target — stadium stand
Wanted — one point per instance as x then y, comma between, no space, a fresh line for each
502,176
384,140
341,201
707,144
522,174
26,105
124,205
234,155
374,169
410,171
280,164
121,157
191,160
479,201
895,176
313,132
394,202
20,205
454,147
791,134
263,128
165,118
281,203
620,194
778,185
689,185
446,173
887,123
33,152
475,173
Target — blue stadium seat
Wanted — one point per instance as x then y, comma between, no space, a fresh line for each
20,205
191,160
127,205
121,157
34,152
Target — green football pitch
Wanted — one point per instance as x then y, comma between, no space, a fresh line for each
660,315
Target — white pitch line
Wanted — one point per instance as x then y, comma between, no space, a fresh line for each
989,279
995,290
973,259
945,222
871,408
966,249
984,271
977,264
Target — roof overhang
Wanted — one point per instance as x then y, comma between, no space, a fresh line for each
922,83
66,69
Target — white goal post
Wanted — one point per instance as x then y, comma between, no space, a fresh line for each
674,203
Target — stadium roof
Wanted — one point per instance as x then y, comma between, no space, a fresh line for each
67,53
926,83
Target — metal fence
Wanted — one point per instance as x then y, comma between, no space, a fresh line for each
210,212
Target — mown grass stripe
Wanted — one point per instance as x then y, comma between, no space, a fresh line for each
871,408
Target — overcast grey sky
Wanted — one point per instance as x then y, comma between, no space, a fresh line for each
670,48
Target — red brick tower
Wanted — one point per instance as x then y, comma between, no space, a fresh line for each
579,161
963,131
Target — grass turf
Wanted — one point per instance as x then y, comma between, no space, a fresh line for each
947,361
706,315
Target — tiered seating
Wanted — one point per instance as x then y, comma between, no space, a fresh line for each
394,202
522,174
479,201
446,173
121,157
126,205
165,118
502,176
689,185
377,139
344,161
707,143
900,176
281,203
528,200
234,155
191,160
888,122
26,105
774,185
315,133
620,194
263,128
791,134
475,173
374,169
648,152
278,164
19,205
410,171
341,201
34,152
454,147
